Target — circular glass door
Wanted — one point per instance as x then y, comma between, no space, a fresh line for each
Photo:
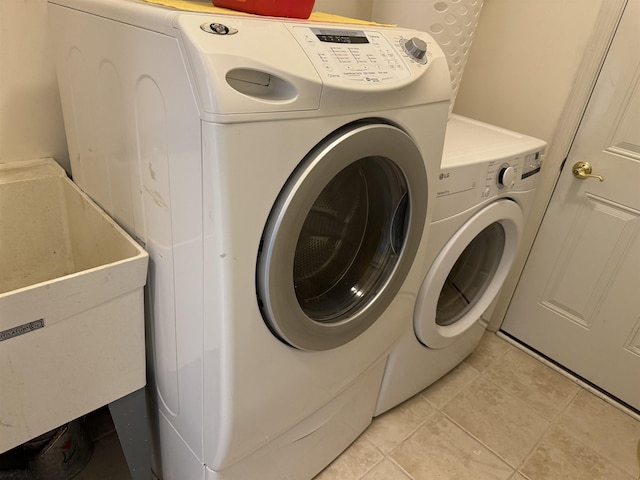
351,238
467,274
342,236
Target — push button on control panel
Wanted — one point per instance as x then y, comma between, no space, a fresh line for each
218,29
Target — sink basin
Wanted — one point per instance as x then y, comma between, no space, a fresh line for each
71,303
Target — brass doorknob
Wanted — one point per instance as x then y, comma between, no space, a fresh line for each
582,170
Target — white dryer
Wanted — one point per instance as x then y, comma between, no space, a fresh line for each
484,194
280,174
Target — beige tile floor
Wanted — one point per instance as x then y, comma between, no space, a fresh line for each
500,415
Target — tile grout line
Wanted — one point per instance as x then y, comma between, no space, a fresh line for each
483,374
376,463
438,409
491,365
491,450
570,376
386,455
495,360
415,429
583,387
552,421
588,447
409,476
480,373
546,433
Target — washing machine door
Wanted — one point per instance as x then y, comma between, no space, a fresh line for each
467,274
342,236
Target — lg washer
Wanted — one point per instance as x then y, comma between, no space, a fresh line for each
281,175
484,193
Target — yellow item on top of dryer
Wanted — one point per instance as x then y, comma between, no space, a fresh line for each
208,7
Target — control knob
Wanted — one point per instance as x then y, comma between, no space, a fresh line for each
416,49
507,176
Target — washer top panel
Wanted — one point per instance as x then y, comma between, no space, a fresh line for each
469,141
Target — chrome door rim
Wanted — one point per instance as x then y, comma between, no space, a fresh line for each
274,280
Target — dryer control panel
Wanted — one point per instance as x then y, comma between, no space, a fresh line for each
466,185
363,56
502,176
508,175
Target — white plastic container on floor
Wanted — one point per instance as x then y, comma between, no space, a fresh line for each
71,303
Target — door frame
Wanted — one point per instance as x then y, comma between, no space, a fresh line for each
609,17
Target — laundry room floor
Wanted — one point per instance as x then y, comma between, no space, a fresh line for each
500,415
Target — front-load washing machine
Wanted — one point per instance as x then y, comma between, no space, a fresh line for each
484,193
280,173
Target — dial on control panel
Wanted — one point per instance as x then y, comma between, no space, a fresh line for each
506,176
416,49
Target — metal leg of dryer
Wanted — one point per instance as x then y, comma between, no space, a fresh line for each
129,415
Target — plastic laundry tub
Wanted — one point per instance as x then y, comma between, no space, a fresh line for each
71,303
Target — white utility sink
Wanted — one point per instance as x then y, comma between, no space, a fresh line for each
71,303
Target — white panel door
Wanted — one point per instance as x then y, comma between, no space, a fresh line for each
578,301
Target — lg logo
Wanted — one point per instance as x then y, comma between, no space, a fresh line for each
444,175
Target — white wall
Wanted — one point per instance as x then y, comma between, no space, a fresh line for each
523,62
349,8
31,123
523,59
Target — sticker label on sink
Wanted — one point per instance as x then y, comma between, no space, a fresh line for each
21,330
